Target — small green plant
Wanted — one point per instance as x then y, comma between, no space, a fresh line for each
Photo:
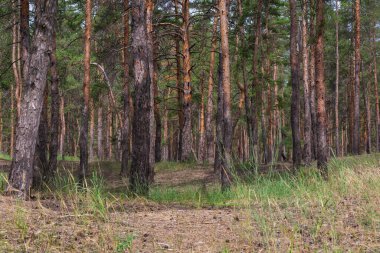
125,245
5,157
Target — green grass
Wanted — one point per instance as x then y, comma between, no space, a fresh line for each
3,180
68,158
173,166
306,184
5,157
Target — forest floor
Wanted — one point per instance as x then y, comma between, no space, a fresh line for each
186,212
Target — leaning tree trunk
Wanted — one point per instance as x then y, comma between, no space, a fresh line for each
21,174
294,64
126,121
321,92
356,135
86,95
141,170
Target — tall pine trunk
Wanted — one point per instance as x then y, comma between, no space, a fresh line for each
306,87
294,64
141,170
21,174
83,143
227,121
321,91
187,86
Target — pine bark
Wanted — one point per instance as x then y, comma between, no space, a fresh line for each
226,176
83,164
306,87
21,174
321,91
294,64
187,86
141,170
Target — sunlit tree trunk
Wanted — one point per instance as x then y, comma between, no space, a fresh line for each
202,135
294,64
227,122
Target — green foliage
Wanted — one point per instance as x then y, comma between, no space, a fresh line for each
125,245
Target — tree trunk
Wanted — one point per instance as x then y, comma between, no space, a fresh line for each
14,92
375,83
252,112
55,108
86,95
187,87
227,122
126,109
166,141
356,100
24,42
153,78
321,91
210,104
295,86
41,165
219,121
312,83
367,115
100,133
306,83
141,167
337,149
202,136
21,174
92,126
109,133
63,127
